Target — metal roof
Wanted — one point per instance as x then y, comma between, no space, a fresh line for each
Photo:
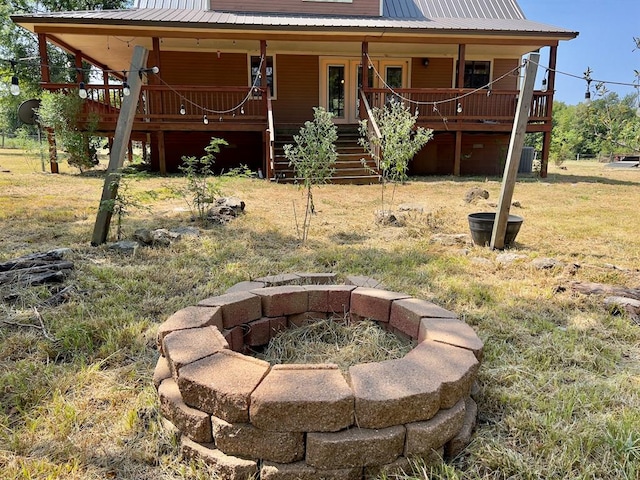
447,16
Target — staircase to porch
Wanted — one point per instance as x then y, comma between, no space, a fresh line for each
348,167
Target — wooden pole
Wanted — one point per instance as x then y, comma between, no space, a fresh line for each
514,152
120,142
551,86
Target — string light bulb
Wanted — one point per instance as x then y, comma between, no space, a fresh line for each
126,89
183,111
15,86
459,108
205,120
587,97
82,91
242,110
544,84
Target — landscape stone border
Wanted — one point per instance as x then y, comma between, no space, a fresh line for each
303,422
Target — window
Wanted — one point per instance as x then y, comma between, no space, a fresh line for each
255,70
477,74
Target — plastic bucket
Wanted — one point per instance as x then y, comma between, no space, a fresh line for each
481,226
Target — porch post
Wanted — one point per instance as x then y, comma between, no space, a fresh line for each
462,48
157,104
458,154
263,70
364,80
45,75
546,136
79,72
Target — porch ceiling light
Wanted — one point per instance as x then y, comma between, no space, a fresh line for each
425,62
82,91
15,86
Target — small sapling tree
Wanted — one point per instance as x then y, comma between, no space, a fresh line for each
200,190
124,201
313,157
397,145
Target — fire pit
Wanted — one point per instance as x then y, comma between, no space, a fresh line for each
246,417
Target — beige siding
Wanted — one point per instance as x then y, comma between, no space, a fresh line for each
355,7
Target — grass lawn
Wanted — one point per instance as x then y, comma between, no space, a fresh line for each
559,384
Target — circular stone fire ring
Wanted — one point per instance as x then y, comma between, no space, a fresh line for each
303,422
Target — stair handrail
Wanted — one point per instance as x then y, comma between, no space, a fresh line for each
372,127
272,137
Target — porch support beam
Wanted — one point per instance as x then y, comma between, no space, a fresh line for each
462,48
79,72
121,140
364,80
546,136
458,154
45,76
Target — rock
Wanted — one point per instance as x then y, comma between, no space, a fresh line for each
143,236
187,231
474,194
163,237
387,217
546,263
451,239
516,204
127,247
505,258
232,203
481,261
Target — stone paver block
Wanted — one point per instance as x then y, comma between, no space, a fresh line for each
373,303
257,332
430,436
235,338
330,298
395,469
462,439
225,466
302,398
302,319
245,287
277,325
191,422
247,441
283,300
237,307
302,471
393,392
406,314
355,447
308,278
185,346
277,280
190,317
363,281
453,332
454,367
161,372
221,384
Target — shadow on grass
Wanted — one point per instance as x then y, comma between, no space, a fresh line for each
553,178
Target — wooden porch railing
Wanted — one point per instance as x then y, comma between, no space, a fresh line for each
175,104
481,106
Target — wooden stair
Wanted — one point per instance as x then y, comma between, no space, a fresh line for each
348,167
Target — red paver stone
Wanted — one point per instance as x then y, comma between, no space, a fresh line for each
191,422
277,325
245,287
454,367
185,346
330,298
221,384
302,471
226,467
302,398
247,441
355,447
190,317
424,438
258,332
161,372
237,307
276,280
462,439
406,314
284,300
363,281
316,278
235,338
394,392
373,303
452,332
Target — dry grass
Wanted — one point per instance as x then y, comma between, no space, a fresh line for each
561,375
336,341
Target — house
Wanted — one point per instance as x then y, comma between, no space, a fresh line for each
252,71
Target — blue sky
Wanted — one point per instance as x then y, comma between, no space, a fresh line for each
605,43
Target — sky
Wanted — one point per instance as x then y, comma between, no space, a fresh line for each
605,43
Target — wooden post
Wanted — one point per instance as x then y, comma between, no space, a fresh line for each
551,85
514,152
45,69
121,139
364,80
162,156
457,155
462,49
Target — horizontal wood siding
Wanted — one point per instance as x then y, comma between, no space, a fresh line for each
297,78
204,68
502,66
484,154
355,7
438,74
